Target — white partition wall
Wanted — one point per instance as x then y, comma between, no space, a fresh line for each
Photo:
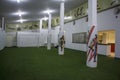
56,32
43,37
34,39
27,39
117,45
11,39
2,39
2,34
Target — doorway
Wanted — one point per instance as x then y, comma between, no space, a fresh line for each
107,38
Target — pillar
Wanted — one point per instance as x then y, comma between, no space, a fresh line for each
49,33
39,36
3,23
40,25
92,34
61,35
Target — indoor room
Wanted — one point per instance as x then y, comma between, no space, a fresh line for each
59,39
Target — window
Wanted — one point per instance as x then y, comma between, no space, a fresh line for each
79,37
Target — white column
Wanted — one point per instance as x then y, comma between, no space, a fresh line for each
40,25
40,28
49,33
61,36
62,16
3,23
92,34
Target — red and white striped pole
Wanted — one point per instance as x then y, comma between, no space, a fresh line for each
92,34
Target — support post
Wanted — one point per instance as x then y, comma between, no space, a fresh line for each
61,35
3,23
40,28
40,25
49,33
92,34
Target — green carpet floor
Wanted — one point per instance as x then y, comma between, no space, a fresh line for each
43,64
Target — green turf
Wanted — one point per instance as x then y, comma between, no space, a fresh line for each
43,64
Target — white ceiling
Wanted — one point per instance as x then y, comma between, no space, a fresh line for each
33,8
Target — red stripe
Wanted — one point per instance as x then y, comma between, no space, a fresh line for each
90,32
91,56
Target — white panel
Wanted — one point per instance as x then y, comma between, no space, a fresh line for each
2,39
107,20
32,39
44,33
27,39
56,35
11,39
104,49
117,45
80,26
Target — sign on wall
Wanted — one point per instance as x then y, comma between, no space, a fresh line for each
79,37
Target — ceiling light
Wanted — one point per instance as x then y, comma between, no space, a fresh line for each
21,20
63,0
45,18
60,0
18,1
20,13
48,11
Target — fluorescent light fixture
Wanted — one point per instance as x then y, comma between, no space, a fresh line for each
69,17
18,1
61,0
45,18
21,20
48,11
19,13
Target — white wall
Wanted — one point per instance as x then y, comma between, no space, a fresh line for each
69,28
102,49
117,45
27,39
56,35
34,39
106,21
43,37
2,39
11,39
